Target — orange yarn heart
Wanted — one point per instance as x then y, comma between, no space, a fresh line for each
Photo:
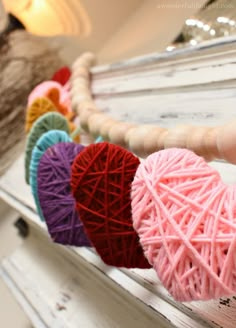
54,95
186,220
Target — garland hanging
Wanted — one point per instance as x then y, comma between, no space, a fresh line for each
171,212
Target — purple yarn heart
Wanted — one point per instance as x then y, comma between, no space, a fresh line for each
56,200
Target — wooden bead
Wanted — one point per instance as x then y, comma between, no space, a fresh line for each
84,116
118,131
136,139
78,98
226,142
128,133
87,105
88,58
92,122
85,61
83,91
177,137
150,141
74,106
161,139
95,123
76,91
196,142
79,81
79,71
210,142
106,127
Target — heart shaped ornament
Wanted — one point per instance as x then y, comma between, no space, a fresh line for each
62,76
185,217
45,123
46,140
56,200
101,180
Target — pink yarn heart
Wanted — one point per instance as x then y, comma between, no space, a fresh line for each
41,90
186,220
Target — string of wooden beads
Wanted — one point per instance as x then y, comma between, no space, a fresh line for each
218,142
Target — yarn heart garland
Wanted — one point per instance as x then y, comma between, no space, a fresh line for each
47,122
101,180
47,140
62,76
56,200
186,220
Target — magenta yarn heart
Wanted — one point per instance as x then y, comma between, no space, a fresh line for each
56,200
186,220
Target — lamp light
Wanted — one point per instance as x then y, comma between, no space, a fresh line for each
51,17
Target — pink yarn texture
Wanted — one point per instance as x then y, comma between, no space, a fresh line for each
41,89
186,220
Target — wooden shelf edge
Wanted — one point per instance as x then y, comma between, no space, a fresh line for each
124,284
21,300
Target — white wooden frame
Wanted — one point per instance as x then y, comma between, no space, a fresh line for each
194,86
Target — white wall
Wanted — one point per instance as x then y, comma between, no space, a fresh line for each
151,28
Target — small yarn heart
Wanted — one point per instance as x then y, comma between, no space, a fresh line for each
101,180
47,140
39,107
186,220
47,122
56,200
62,76
53,94
41,91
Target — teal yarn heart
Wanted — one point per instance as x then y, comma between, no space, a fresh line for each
47,122
47,140
99,139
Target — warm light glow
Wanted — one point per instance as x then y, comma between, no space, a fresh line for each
190,22
200,24
16,5
224,20
193,42
206,27
170,48
212,32
51,17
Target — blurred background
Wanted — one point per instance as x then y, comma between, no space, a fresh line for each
116,30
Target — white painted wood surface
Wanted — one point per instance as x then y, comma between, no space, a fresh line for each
127,300
186,86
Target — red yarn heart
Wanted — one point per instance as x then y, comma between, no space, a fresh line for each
101,180
62,75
